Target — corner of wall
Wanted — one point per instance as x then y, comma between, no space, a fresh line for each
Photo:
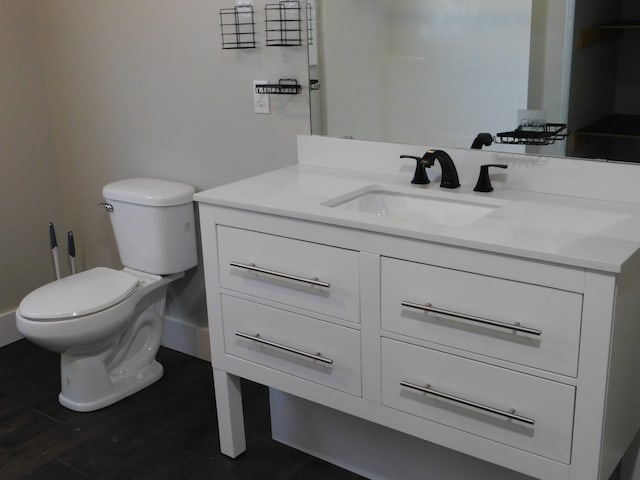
186,337
8,331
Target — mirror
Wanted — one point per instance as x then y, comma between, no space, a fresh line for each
439,72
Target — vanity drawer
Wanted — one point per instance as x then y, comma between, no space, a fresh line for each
307,275
301,346
480,398
479,312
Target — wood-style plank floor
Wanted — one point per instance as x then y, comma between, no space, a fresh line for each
167,431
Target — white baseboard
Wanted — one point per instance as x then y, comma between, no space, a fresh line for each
371,450
187,338
179,335
8,331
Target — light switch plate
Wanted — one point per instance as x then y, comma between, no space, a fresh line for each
260,100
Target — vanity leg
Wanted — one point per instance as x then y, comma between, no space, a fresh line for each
230,414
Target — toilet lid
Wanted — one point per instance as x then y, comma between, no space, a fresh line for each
81,294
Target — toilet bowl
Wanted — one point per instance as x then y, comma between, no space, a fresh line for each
107,324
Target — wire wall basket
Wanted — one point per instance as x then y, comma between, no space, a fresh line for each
285,86
546,134
237,27
283,23
310,22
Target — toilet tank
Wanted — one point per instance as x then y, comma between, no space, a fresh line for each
153,223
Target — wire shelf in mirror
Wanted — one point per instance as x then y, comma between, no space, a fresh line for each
310,22
546,134
285,86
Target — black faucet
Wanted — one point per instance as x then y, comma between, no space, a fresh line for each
449,173
482,140
420,176
484,181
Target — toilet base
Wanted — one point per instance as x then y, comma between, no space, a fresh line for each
122,387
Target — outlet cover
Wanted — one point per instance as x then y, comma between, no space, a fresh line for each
260,100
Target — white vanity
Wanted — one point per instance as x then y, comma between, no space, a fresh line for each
504,325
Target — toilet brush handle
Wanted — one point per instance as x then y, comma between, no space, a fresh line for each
71,247
54,249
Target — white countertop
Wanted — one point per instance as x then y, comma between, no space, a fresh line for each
561,229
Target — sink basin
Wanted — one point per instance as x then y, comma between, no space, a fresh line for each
401,205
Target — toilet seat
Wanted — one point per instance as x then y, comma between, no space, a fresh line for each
78,295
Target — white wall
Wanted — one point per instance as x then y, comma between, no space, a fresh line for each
436,72
28,180
143,88
550,65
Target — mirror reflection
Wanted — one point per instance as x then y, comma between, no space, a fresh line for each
440,72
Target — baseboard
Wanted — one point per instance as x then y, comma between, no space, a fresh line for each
187,338
178,335
368,449
8,331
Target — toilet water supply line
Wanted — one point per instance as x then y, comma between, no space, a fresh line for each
71,248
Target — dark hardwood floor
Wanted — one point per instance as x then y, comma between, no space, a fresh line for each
167,431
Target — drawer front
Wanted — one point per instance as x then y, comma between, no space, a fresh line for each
479,312
479,398
304,347
306,275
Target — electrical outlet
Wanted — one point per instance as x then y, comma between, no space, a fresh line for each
260,100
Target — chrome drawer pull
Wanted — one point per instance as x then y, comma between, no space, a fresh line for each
254,268
511,415
427,307
256,338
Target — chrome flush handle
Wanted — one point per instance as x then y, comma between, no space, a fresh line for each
107,206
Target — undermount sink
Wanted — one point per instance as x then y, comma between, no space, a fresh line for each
401,205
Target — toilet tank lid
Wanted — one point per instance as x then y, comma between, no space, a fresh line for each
149,191
81,294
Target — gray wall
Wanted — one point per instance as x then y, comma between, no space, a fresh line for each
134,88
29,193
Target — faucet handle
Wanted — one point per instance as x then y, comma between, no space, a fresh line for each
484,181
420,176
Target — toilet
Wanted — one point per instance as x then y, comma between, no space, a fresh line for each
107,324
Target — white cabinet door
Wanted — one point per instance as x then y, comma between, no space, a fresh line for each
307,275
479,398
301,346
483,309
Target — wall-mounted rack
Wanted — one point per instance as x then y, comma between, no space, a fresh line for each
283,24
237,27
310,22
546,134
285,86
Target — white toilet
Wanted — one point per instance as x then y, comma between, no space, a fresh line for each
107,324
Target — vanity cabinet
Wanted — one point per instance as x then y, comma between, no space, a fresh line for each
521,363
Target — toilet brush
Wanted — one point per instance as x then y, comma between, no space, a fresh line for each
71,247
54,249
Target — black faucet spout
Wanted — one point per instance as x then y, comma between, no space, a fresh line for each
449,173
